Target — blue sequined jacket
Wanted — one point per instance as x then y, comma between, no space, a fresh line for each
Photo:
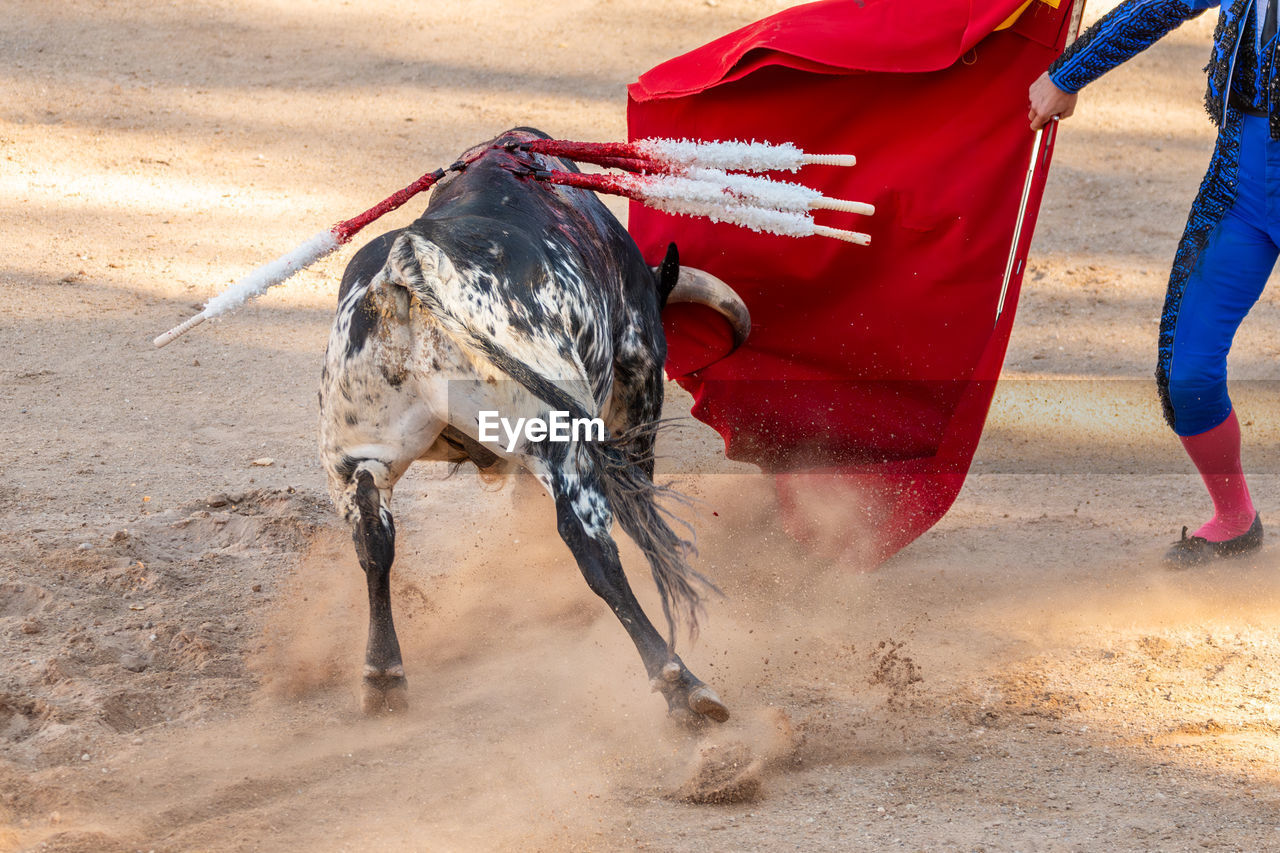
1135,25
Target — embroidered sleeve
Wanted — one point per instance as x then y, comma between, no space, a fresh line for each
1119,35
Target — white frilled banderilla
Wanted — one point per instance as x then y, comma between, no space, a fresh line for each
674,175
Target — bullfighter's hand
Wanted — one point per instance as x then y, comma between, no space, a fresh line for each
1047,101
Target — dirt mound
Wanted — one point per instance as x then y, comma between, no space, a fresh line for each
130,629
723,774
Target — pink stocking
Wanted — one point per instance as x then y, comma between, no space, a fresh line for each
1216,454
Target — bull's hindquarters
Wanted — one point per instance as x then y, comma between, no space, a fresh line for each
526,300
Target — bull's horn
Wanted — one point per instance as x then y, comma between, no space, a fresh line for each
703,288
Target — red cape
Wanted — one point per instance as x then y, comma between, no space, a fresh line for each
870,369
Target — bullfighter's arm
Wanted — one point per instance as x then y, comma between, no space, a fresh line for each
1118,36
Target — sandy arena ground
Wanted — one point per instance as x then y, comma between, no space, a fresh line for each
182,629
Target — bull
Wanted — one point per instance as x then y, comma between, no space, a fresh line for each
531,301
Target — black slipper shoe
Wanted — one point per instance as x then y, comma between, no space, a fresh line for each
1196,550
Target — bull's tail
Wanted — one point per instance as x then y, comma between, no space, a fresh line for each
632,495
634,498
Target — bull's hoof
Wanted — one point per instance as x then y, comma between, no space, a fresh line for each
694,707
704,702
384,694
689,701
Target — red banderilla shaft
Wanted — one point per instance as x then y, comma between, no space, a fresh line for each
348,228
611,184
610,155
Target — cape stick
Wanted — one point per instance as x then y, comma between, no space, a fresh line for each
1022,214
1040,146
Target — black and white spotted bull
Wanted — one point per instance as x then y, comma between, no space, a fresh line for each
524,299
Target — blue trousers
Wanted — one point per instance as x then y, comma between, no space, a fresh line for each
1226,282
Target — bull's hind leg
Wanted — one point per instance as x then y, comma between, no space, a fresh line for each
374,532
583,519
636,411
